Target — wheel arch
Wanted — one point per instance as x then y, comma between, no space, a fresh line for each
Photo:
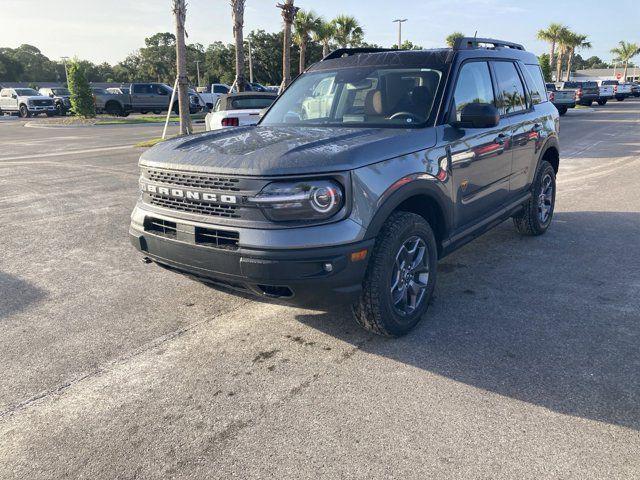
422,197
551,153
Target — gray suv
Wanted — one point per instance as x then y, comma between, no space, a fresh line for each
408,156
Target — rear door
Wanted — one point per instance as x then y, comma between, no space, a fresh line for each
517,101
141,95
161,96
480,157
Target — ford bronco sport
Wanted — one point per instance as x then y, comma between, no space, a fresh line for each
410,155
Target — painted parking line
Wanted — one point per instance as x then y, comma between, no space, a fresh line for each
68,152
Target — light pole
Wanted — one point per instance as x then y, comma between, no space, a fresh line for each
400,21
66,73
198,71
250,62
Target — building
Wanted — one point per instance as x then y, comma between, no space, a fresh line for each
599,74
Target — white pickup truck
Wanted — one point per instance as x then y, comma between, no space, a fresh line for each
605,93
210,97
620,90
25,102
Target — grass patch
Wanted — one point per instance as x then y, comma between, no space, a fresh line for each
146,119
151,142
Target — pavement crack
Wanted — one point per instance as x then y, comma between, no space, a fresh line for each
151,345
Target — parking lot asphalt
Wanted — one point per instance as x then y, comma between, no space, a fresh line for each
527,364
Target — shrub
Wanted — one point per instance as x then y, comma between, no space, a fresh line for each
82,103
545,65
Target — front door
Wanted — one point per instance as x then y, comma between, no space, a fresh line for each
480,157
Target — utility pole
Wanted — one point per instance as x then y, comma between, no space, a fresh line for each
198,70
66,72
179,8
399,21
250,63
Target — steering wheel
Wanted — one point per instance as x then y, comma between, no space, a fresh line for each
408,115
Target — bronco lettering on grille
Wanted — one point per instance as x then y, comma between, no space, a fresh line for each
189,194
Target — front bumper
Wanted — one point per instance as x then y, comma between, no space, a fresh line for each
40,109
314,276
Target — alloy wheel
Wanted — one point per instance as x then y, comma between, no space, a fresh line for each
410,276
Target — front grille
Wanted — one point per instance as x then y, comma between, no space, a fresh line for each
217,238
160,227
194,206
42,103
217,183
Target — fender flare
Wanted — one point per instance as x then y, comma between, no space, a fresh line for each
409,186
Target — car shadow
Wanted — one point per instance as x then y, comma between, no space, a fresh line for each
17,294
553,321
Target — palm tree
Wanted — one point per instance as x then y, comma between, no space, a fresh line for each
552,35
288,16
451,39
347,31
578,41
324,33
179,8
237,17
565,37
304,24
624,52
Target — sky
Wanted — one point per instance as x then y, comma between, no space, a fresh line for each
108,30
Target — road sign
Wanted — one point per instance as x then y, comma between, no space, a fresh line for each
618,76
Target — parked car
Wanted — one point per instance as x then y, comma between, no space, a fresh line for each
585,92
144,98
605,93
61,98
25,102
211,95
421,152
635,89
238,109
620,90
561,99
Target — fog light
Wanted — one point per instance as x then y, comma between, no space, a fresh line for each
359,255
328,267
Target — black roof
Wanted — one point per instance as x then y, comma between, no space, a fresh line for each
467,47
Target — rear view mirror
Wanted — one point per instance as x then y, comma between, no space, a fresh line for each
478,115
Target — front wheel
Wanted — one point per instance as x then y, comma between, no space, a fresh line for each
602,102
562,110
537,212
620,99
24,111
400,276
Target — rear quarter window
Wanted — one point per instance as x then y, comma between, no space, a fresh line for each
535,83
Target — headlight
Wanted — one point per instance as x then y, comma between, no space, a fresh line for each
303,200
30,103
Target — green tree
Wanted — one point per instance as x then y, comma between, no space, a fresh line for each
348,31
624,52
576,41
324,34
304,24
545,65
552,35
451,39
158,58
10,69
81,97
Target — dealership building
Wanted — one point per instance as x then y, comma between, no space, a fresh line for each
599,74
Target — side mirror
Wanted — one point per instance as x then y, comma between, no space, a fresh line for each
14,96
478,115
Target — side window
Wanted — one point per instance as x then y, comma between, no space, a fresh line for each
537,88
220,89
4,93
511,97
474,86
139,88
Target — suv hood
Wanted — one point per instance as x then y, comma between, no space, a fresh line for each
286,150
35,97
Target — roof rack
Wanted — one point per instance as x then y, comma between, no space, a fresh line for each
468,43
347,52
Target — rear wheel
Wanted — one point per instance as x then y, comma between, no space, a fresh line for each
176,108
620,99
537,213
562,110
157,112
24,111
602,102
400,276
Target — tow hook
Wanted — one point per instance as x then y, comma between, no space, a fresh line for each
146,260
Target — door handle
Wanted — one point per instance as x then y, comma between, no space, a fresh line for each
537,127
501,138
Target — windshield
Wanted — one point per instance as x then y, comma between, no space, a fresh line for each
27,92
244,103
60,91
360,96
99,91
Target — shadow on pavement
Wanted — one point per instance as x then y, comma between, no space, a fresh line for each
16,294
553,320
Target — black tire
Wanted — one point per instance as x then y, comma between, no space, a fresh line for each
375,310
51,114
562,110
176,108
143,112
114,109
157,112
24,112
529,221
620,99
602,102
